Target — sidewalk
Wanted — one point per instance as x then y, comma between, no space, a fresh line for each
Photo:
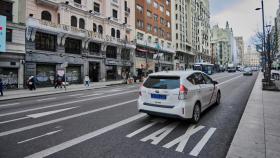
258,133
23,93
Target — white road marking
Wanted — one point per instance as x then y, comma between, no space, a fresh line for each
37,115
65,103
13,120
53,98
145,127
75,141
183,140
42,114
157,136
47,134
229,80
10,104
64,118
90,95
75,95
196,150
115,90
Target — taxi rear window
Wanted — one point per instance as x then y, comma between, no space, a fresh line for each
162,82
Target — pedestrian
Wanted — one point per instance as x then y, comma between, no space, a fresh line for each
1,87
86,81
31,83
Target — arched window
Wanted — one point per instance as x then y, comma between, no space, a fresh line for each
82,23
45,15
94,27
118,34
73,21
100,29
113,32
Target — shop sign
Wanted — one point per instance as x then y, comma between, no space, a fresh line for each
111,62
3,25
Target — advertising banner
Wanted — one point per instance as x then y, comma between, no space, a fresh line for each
3,24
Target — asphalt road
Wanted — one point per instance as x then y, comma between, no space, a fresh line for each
106,123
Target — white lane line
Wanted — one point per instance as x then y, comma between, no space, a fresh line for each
78,140
42,114
47,134
75,95
65,103
53,98
90,95
22,118
37,115
229,80
10,104
196,150
64,118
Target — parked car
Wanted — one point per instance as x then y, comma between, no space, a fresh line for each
179,94
248,71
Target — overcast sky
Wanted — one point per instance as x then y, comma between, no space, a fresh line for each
242,16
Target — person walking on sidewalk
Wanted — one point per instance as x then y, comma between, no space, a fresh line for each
86,81
1,87
31,83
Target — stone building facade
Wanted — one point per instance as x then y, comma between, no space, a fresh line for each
94,38
201,30
182,34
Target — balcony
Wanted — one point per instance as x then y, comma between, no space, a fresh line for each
77,5
52,3
127,11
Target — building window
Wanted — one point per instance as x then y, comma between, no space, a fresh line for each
44,41
77,1
115,13
58,18
96,7
139,8
149,28
149,14
73,21
6,9
73,46
45,15
140,24
140,36
155,17
94,48
155,5
161,8
111,52
118,34
100,29
82,23
94,27
113,32
9,34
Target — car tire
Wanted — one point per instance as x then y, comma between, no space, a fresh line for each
218,98
196,113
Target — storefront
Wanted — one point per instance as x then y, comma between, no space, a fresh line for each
111,72
9,77
45,74
73,73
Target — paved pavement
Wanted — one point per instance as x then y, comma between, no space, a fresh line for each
22,93
105,123
258,134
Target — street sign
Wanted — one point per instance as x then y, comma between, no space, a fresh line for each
3,25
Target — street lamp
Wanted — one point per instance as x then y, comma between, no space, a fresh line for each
263,47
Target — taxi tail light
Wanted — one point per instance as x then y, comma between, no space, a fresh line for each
183,91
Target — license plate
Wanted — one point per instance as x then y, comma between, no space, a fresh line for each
158,96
